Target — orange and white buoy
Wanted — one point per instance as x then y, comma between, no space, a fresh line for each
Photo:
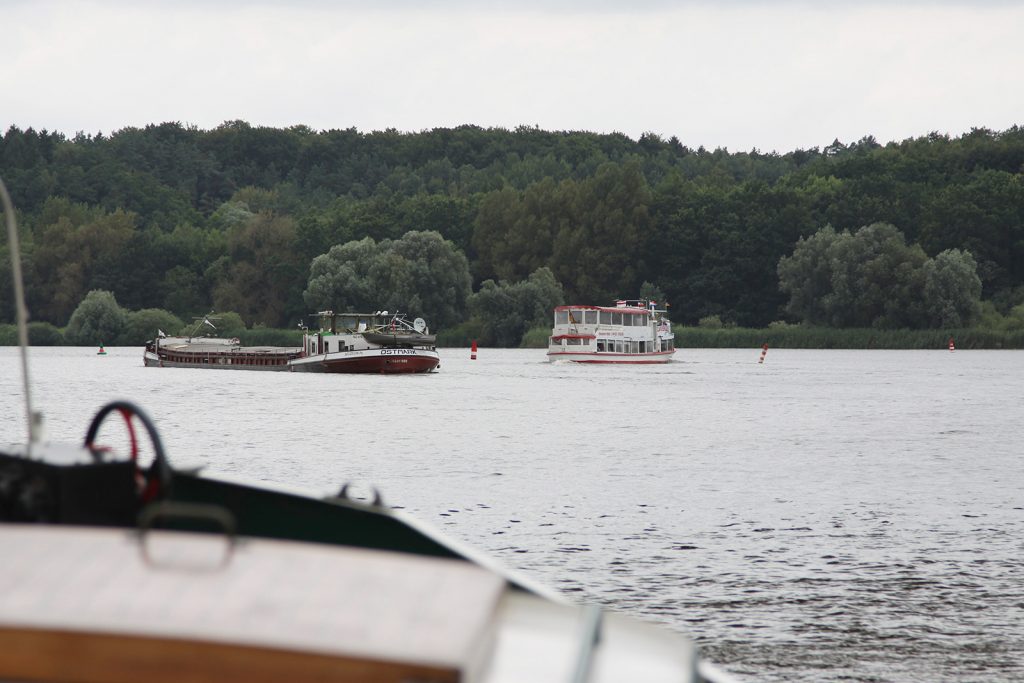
472,351
951,346
764,352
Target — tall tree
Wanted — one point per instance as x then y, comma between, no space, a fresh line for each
598,257
421,273
264,278
872,278
508,310
952,289
96,320
77,249
498,214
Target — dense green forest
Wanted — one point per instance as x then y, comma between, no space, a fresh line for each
270,223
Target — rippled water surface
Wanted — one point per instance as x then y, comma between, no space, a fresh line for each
825,516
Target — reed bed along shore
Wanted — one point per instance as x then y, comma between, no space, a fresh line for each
801,337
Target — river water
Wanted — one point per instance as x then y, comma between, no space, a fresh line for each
823,516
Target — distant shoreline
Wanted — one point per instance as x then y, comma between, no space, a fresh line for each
777,336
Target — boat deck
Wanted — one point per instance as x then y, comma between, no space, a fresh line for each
118,606
201,347
260,610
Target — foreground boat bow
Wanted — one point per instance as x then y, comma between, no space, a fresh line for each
342,589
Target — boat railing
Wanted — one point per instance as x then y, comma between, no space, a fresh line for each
199,322
379,322
34,419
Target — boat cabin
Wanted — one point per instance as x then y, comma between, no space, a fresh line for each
343,332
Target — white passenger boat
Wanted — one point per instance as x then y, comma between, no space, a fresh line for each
632,331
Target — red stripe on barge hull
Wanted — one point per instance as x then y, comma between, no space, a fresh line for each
619,362
383,365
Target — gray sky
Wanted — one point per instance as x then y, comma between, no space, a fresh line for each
736,74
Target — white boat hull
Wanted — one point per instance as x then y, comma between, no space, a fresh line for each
612,358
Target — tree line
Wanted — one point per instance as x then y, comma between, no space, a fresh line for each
274,223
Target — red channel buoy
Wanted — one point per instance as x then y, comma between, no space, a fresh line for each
951,347
472,351
764,352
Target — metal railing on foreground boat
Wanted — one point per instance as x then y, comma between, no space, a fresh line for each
710,673
34,420
589,639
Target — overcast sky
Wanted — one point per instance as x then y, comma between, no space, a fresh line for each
739,74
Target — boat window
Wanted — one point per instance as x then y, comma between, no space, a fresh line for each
642,320
600,345
618,346
634,347
590,317
561,317
606,317
576,317
643,346
616,318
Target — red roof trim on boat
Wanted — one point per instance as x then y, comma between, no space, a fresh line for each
610,309
610,357
573,336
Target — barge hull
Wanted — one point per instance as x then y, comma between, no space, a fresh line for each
383,361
